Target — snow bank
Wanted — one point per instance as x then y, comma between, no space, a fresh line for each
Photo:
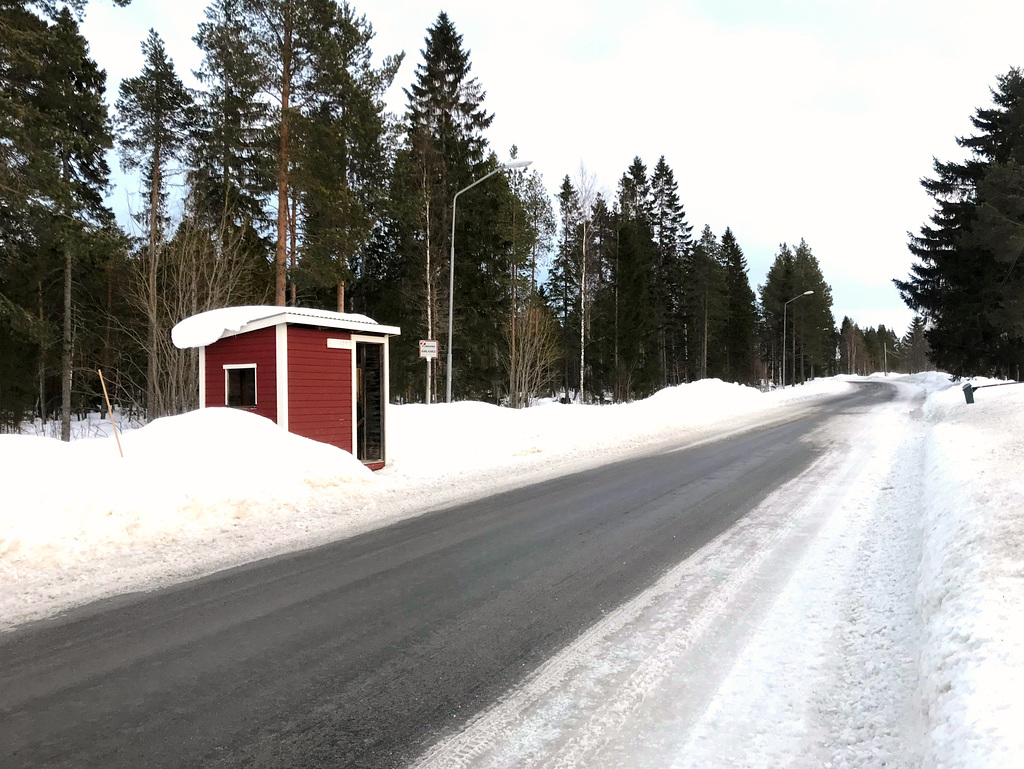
212,489
190,494
971,591
466,438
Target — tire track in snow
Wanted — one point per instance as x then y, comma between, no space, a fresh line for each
844,691
664,654
563,713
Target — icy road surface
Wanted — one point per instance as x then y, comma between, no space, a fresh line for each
365,652
790,640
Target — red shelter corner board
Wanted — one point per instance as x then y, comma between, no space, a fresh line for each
319,374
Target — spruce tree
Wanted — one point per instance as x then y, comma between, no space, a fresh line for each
814,325
705,306
741,314
55,233
853,353
445,151
969,277
604,330
26,180
74,159
563,287
779,287
914,347
154,113
811,338
638,371
672,239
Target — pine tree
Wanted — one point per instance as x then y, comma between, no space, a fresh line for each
340,160
286,39
231,165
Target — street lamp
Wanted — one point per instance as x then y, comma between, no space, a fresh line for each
784,308
451,265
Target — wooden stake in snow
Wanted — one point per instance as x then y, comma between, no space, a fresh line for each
110,413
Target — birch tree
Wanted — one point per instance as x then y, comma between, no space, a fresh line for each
586,185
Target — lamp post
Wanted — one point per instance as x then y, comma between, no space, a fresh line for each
451,266
785,306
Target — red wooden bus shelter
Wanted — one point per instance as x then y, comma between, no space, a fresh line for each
319,374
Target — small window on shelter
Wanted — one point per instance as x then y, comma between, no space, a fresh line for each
240,386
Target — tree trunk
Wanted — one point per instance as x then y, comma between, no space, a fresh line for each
293,225
430,285
615,352
67,349
583,306
280,272
153,406
42,358
704,341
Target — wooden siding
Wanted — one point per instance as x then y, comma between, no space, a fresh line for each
319,386
259,347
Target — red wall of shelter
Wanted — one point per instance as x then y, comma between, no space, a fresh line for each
259,347
319,386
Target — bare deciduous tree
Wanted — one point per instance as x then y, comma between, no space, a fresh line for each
586,184
202,268
531,362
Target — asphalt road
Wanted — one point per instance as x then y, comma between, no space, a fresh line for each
362,653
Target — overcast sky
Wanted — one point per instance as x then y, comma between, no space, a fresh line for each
782,119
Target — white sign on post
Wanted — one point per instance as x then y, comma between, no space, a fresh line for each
428,348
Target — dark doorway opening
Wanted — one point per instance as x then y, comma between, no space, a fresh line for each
369,402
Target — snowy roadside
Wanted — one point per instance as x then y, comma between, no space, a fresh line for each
870,613
209,490
971,593
790,640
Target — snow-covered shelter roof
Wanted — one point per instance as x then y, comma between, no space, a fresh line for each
207,327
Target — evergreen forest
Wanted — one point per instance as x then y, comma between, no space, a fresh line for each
284,179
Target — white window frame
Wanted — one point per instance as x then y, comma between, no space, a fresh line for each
255,390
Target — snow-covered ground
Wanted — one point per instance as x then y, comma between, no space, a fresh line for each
211,489
868,613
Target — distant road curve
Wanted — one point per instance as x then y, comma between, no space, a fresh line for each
364,652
